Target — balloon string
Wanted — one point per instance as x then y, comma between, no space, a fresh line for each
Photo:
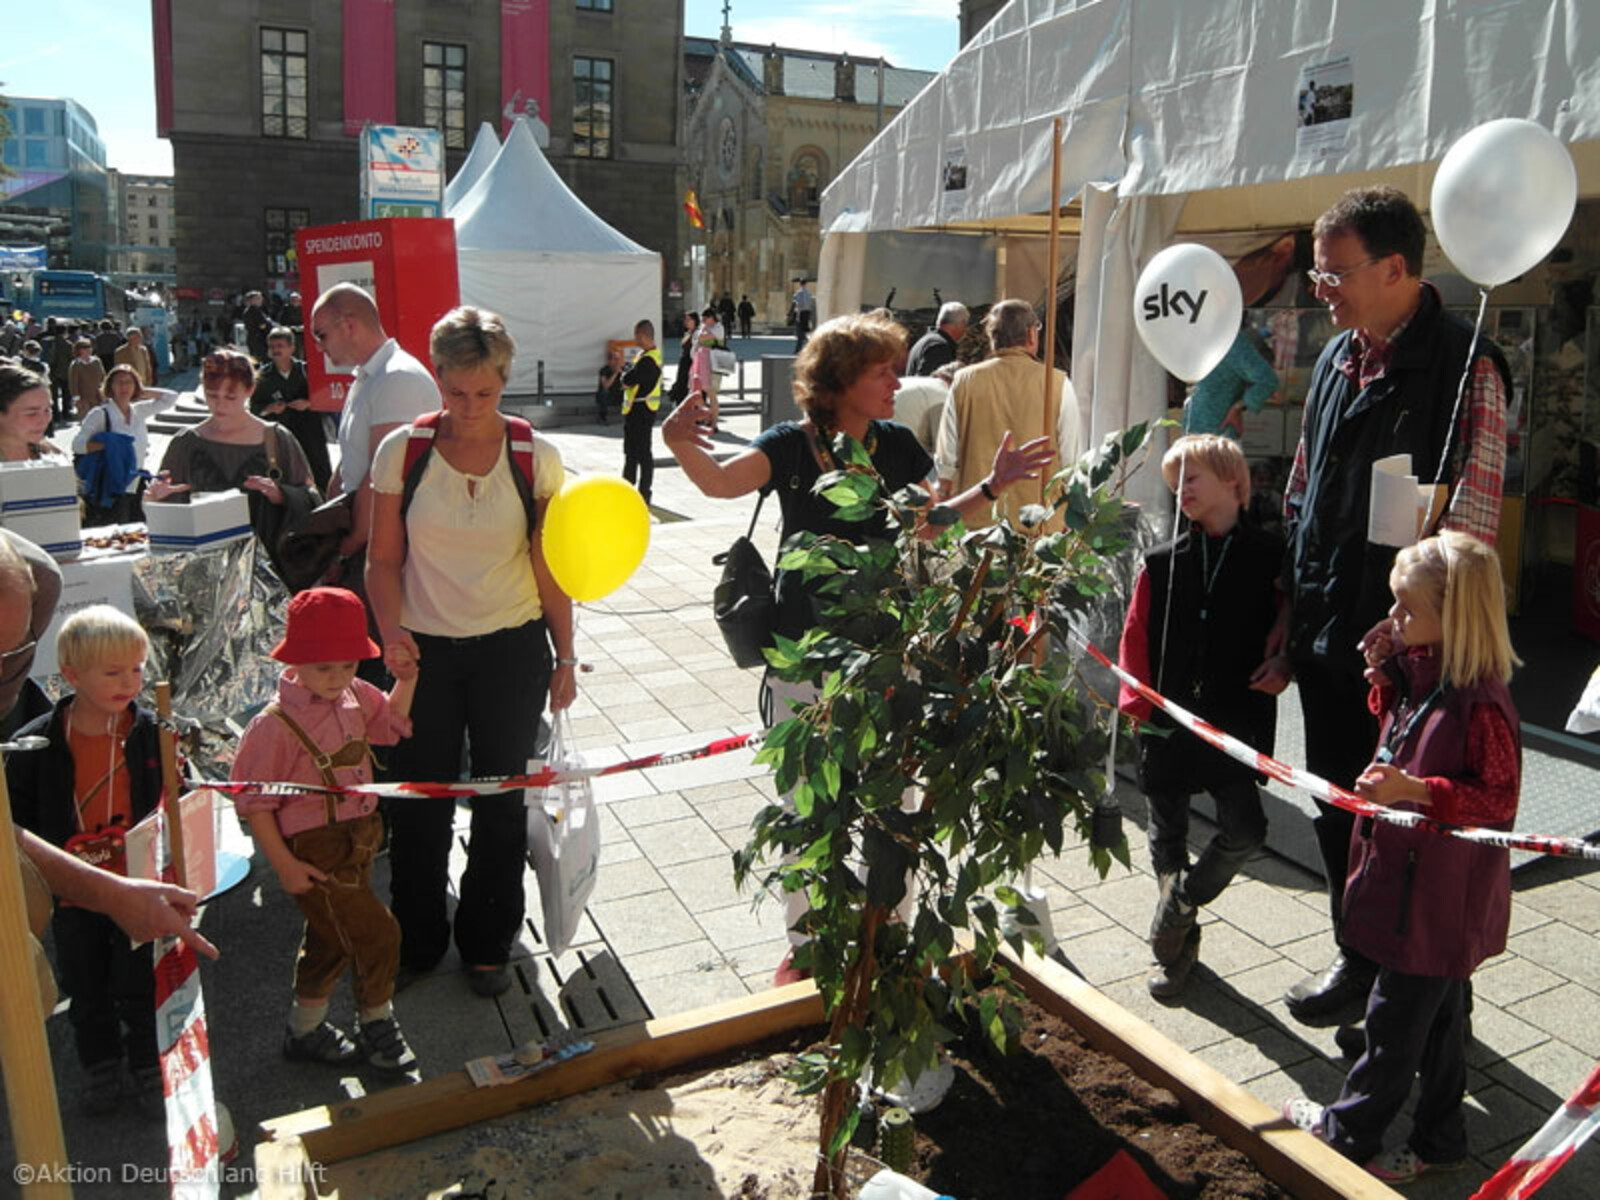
1453,489
1172,569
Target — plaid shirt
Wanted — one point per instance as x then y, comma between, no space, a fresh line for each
1475,501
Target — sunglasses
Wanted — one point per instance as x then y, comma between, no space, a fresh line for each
218,365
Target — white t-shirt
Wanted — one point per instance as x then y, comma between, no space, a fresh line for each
467,570
111,420
390,387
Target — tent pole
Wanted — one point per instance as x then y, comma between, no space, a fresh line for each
171,786
1052,273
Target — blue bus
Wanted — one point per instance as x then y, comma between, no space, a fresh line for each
76,296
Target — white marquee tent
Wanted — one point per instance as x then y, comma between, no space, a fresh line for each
1185,120
563,279
484,148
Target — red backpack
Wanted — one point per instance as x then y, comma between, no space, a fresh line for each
519,445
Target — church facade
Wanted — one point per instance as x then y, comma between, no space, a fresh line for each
766,129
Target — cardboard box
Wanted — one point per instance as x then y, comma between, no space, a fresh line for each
39,501
208,519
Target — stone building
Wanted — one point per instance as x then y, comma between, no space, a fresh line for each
766,128
975,14
142,252
263,112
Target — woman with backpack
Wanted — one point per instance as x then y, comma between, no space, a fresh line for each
459,587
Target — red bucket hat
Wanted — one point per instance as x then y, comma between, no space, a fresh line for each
326,624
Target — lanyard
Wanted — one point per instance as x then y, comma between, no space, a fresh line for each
1394,741
1208,573
108,781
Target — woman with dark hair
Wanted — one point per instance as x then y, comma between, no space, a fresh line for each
127,407
844,382
701,377
680,381
25,414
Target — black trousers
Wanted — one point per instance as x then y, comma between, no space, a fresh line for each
1341,738
113,989
638,454
1241,828
1416,1024
487,691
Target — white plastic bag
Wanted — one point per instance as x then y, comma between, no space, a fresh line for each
1585,717
563,841
724,362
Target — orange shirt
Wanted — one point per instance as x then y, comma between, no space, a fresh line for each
101,789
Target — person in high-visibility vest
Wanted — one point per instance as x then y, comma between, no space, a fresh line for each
641,400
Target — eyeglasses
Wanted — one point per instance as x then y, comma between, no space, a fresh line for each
1334,278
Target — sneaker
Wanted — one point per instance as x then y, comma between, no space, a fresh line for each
386,1047
102,1090
926,1092
1166,980
1403,1165
1305,1115
325,1044
148,1095
489,982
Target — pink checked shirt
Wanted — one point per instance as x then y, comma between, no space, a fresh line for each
270,751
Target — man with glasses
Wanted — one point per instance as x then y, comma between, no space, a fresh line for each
1385,385
390,389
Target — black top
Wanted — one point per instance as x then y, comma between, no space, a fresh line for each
933,350
896,455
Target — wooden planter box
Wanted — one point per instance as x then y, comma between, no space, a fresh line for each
335,1133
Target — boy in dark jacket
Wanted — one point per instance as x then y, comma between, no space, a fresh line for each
1196,631
100,774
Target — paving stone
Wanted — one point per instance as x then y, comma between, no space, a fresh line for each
758,961
1499,1119
698,955
1312,1077
669,994
1544,1075
1259,911
582,991
1201,1016
1497,1034
736,764
1074,919
1569,1013
650,810
733,813
1129,901
1106,955
1258,1054
616,880
1568,901
1508,979
1310,953
1568,951
741,925
1226,951
629,785
446,1024
705,884
1264,984
682,840
649,921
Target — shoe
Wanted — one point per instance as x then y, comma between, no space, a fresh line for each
1174,919
1167,979
1351,1040
1304,1115
926,1092
327,1043
386,1047
102,1090
1404,1165
148,1095
1324,997
788,973
489,982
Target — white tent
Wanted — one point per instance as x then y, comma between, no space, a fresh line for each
1183,119
564,280
484,148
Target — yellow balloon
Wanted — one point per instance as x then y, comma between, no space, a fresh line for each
595,533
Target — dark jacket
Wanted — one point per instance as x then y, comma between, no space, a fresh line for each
933,350
1210,657
1421,902
43,797
1340,580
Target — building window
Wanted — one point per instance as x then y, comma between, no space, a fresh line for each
33,120
594,5
591,107
281,226
444,91
283,83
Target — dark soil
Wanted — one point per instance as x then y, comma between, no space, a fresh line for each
1033,1125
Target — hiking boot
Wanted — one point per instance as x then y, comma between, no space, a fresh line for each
325,1044
1173,920
102,1090
386,1047
148,1095
1403,1165
1167,979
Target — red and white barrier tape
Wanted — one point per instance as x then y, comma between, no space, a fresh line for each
1542,1155
1561,847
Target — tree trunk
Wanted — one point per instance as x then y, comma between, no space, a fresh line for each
830,1178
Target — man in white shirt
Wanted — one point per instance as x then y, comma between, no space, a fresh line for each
390,389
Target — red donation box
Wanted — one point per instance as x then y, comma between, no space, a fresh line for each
407,264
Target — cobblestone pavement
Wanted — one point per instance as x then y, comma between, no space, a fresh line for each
667,931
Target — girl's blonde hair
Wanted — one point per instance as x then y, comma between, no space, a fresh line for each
1222,456
92,635
1460,576
466,338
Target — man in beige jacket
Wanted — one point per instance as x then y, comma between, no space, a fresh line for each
1005,394
134,353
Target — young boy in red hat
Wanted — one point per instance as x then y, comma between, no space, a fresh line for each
319,731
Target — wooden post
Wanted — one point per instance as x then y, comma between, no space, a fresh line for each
24,1051
1053,272
171,794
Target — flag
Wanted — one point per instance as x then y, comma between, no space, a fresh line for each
691,208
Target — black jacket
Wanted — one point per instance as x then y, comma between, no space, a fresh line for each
43,796
1340,580
933,350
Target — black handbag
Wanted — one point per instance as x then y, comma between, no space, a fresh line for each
743,603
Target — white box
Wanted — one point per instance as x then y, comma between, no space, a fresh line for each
208,519
39,501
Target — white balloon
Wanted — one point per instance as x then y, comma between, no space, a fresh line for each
1502,199
1187,308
